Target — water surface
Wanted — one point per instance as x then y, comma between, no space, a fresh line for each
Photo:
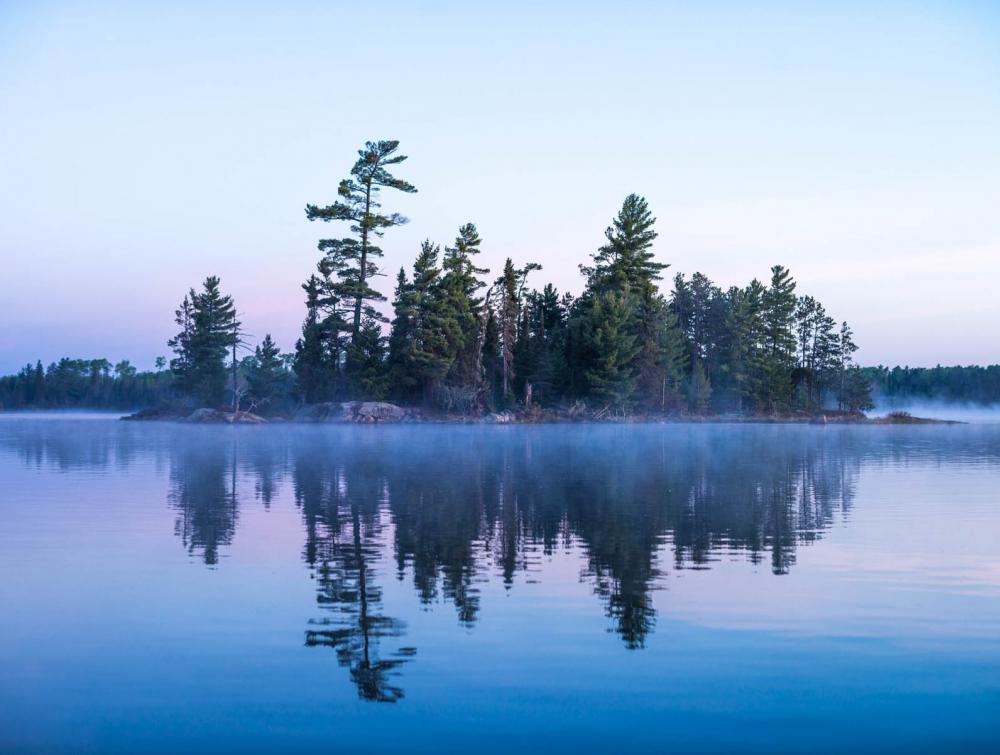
452,589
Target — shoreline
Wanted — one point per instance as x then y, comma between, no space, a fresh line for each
383,413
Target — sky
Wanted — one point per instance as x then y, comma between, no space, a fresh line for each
146,146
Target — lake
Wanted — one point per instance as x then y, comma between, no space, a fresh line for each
605,588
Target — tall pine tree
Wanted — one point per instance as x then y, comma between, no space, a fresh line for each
352,259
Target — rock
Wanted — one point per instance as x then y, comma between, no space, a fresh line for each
216,417
351,411
378,411
499,418
203,416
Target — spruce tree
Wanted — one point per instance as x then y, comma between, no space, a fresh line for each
368,354
209,329
266,376
402,381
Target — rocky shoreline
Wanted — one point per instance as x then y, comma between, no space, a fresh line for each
382,412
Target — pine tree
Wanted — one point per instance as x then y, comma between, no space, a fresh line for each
351,259
699,390
368,354
745,325
613,343
845,356
625,262
461,285
671,358
539,359
507,328
856,393
314,365
429,355
491,361
182,344
779,339
266,376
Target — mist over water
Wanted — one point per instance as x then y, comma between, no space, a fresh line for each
980,414
422,587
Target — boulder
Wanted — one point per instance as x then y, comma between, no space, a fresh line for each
378,411
217,417
499,418
351,411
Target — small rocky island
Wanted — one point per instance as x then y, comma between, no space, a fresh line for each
383,412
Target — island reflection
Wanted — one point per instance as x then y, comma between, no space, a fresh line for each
452,508
455,508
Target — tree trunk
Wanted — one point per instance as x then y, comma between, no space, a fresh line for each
363,268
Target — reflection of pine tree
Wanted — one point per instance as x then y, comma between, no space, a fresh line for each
438,519
620,524
342,523
463,506
204,499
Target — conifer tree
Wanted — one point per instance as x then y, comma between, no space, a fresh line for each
745,325
612,377
266,376
539,358
351,260
491,360
699,389
670,358
183,346
625,261
429,354
508,311
314,364
461,284
209,329
779,339
368,354
401,380
845,356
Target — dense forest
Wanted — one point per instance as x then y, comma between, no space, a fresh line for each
462,340
973,384
85,383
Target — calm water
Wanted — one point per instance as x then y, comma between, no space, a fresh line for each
492,589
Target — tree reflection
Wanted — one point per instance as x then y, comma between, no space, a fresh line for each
341,507
203,493
447,509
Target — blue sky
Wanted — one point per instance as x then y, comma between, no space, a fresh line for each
145,146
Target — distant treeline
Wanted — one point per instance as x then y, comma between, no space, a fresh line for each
84,383
460,340
958,384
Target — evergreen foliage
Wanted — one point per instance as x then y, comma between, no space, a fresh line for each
268,383
350,260
209,330
460,344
